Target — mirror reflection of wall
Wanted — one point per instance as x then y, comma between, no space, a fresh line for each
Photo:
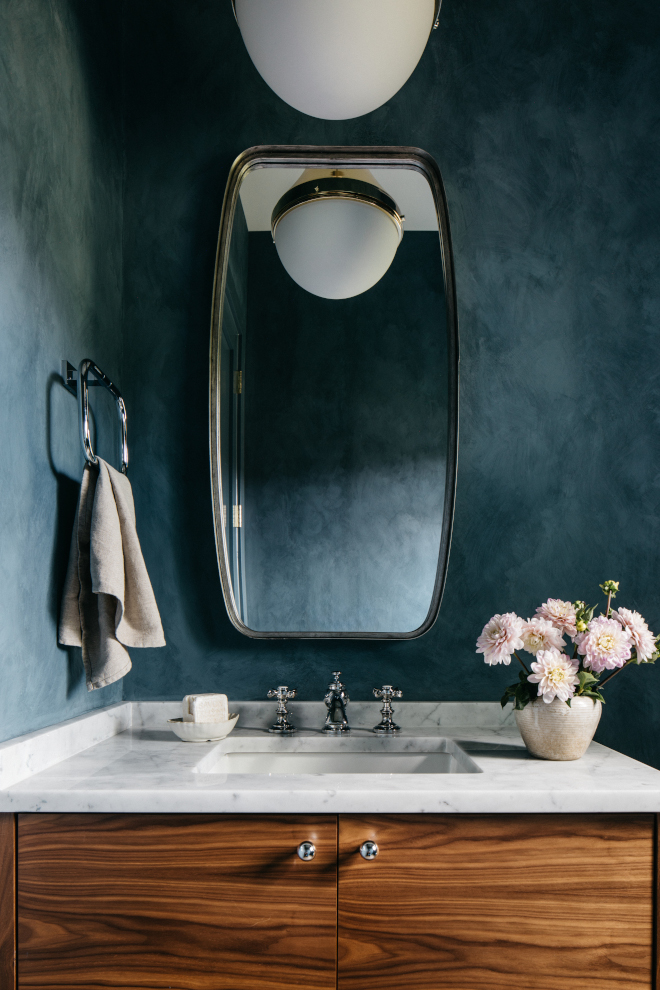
334,426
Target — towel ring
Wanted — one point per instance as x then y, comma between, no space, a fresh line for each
86,367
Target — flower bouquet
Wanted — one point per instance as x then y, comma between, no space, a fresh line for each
602,645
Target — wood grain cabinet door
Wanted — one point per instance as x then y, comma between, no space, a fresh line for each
188,902
508,902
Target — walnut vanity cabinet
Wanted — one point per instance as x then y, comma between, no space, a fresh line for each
192,902
223,902
497,902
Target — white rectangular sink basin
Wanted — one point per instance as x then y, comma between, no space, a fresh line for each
318,754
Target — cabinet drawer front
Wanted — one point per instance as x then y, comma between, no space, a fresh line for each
191,902
7,902
507,902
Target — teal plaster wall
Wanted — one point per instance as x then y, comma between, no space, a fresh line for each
544,121
60,297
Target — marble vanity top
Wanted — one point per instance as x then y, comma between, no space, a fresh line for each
124,758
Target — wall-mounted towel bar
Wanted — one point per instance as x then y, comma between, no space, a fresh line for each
85,368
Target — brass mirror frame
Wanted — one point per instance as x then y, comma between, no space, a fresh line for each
301,157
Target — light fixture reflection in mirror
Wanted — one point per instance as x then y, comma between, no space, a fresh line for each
333,420
336,232
336,59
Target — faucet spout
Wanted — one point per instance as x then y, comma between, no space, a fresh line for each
336,699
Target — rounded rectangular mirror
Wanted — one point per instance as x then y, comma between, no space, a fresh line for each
333,393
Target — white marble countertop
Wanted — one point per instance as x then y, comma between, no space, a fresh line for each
125,759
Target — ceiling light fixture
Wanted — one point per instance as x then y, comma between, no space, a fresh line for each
336,59
336,232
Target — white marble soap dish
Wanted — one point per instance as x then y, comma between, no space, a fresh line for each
202,731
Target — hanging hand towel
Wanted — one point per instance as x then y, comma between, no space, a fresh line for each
108,600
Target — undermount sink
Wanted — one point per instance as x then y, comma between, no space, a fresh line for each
355,754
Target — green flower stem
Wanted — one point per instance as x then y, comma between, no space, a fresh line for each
521,662
607,610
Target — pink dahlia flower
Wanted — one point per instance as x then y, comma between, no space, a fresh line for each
500,637
642,637
605,645
555,674
560,614
540,634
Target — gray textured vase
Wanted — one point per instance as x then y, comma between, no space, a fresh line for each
557,732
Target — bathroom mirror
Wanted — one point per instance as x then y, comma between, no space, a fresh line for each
333,393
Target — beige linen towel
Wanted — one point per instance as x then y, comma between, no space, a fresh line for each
108,601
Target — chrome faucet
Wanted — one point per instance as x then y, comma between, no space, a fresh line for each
281,724
336,699
387,723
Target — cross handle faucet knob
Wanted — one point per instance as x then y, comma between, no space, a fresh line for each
282,725
386,693
282,693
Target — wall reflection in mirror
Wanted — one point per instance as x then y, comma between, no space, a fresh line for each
333,393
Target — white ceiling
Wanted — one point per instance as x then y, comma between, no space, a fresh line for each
262,188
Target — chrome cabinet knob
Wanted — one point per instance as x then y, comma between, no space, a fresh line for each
306,851
369,849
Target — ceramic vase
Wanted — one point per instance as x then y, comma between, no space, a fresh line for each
556,732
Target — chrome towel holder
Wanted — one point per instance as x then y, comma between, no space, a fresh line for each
85,368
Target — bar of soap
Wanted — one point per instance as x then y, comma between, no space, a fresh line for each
205,708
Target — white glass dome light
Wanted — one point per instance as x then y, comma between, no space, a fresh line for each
336,59
336,232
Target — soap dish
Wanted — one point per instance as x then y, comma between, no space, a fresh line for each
202,731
